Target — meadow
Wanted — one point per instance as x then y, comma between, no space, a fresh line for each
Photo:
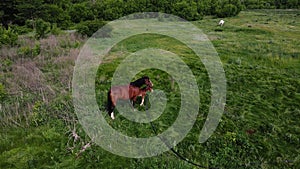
260,53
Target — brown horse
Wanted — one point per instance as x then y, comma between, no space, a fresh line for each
128,92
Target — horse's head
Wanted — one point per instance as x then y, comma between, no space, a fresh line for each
143,83
149,84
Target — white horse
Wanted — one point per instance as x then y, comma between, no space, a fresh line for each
221,23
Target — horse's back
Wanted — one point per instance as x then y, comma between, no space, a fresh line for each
121,91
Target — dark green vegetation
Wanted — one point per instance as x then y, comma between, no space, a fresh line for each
66,13
44,15
271,4
259,129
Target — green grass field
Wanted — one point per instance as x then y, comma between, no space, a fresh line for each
260,127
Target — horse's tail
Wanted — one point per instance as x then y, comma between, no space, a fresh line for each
109,102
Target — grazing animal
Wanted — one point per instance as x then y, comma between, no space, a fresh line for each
128,92
221,23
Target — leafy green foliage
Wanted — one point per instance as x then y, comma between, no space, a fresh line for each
29,52
27,9
228,8
226,11
80,12
21,29
55,30
54,14
66,13
271,4
41,28
88,28
186,10
8,36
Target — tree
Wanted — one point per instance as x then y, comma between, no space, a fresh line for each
227,8
90,27
205,7
41,28
8,10
113,9
54,14
186,10
27,9
80,12
293,3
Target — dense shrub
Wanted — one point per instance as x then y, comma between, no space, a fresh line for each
54,14
55,30
80,12
41,28
114,9
8,36
66,13
186,10
271,4
88,28
227,8
21,29
226,11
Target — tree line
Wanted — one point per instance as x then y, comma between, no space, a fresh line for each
67,12
272,4
88,15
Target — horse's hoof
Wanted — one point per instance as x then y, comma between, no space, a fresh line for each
112,116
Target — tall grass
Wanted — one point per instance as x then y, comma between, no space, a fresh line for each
36,71
259,128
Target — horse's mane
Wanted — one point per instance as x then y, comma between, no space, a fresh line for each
139,82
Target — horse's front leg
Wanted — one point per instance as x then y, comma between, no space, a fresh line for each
143,98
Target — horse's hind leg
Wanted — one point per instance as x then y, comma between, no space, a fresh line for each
112,115
111,112
113,105
133,103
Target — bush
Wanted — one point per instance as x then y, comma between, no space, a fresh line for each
53,13
88,28
83,29
2,92
55,30
41,28
30,52
29,24
227,10
80,12
186,10
21,29
8,36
